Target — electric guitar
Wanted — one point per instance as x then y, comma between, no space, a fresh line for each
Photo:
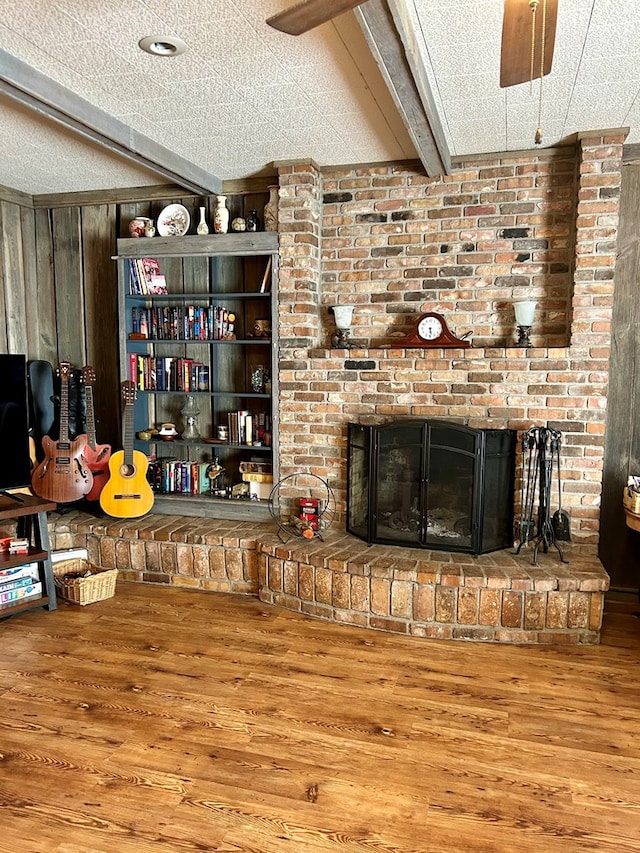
127,493
63,475
97,455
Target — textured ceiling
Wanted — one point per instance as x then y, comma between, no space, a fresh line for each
245,95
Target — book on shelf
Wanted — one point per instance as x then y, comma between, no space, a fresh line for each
18,577
22,593
18,583
156,282
145,277
19,546
255,466
134,285
247,427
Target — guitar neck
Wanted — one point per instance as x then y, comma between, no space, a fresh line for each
64,410
127,434
90,417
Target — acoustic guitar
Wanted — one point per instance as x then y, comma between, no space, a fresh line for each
127,493
63,475
97,455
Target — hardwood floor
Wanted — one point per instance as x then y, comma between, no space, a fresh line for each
167,720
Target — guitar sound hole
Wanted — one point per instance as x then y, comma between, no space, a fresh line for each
127,470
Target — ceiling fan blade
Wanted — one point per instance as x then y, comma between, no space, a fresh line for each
517,29
309,14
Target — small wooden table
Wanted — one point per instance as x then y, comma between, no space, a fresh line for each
31,514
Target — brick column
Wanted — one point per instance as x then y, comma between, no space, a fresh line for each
299,316
599,180
299,223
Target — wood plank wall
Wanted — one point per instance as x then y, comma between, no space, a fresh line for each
58,293
619,545
58,282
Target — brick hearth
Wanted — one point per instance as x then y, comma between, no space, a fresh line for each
495,597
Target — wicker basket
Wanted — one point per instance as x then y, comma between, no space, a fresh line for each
98,586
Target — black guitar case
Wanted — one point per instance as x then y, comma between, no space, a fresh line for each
44,404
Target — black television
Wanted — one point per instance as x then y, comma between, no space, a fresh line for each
15,456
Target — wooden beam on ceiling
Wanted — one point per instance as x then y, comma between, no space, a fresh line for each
45,97
391,40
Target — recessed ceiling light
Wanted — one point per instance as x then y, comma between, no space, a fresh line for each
162,45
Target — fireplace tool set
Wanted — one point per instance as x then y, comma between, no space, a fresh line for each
540,461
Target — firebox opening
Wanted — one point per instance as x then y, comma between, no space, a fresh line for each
431,484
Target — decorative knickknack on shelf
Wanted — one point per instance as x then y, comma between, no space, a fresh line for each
190,412
139,225
259,377
270,214
202,228
221,215
253,223
343,315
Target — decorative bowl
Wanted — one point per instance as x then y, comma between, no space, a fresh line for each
173,221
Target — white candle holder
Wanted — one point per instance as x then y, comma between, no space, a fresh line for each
524,311
343,315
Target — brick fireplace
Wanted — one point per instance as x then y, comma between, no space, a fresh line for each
539,225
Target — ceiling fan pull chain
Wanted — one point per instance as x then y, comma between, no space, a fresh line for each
533,5
538,136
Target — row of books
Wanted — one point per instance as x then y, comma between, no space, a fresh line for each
19,584
171,476
145,277
183,323
165,373
175,476
249,428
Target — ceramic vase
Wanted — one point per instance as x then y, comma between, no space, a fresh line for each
270,216
202,228
138,224
221,215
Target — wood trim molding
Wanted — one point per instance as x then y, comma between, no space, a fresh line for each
388,36
133,195
15,197
38,93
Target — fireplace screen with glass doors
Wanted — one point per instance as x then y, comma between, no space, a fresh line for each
431,484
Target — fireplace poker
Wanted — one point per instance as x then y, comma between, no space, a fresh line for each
525,526
560,520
